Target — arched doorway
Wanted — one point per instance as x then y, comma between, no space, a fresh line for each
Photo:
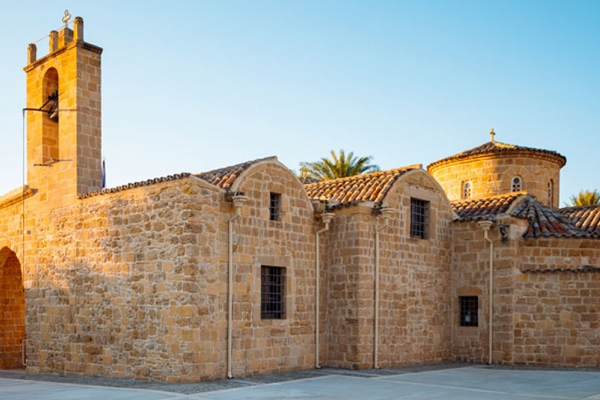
12,310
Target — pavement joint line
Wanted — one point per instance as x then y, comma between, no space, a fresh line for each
540,396
247,382
421,372
278,383
99,387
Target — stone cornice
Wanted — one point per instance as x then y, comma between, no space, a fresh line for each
16,196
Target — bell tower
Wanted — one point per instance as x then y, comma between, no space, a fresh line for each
64,132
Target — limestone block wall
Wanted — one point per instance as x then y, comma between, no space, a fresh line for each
125,285
557,305
470,277
414,281
350,289
270,345
493,174
416,277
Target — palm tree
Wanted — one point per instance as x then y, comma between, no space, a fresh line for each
585,198
338,166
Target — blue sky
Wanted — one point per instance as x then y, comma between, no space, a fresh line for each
190,86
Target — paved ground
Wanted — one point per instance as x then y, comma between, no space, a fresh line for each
441,381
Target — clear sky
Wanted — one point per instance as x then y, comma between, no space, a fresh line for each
190,86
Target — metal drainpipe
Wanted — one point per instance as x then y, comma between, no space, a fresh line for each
486,225
385,212
238,202
326,217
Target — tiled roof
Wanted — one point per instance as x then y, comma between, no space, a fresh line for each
547,222
585,268
484,209
366,187
133,185
225,177
584,218
494,147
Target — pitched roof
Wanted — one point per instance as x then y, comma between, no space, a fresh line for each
494,147
484,209
133,185
584,218
366,187
225,177
547,222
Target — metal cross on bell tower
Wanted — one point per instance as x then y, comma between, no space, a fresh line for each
66,18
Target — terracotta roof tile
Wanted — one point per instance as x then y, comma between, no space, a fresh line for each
583,269
134,185
366,187
584,218
547,222
494,147
484,209
225,177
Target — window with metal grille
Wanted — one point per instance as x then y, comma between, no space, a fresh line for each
272,292
274,206
419,218
468,310
517,184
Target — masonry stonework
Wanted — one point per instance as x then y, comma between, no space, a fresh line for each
134,281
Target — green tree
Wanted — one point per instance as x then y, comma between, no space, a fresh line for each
585,198
338,166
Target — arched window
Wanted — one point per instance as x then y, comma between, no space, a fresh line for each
50,124
467,190
551,193
517,184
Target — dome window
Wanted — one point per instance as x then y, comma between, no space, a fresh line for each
467,190
517,184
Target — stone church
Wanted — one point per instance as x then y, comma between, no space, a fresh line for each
246,270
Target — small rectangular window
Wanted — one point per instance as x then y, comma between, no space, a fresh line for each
419,218
272,292
274,206
468,310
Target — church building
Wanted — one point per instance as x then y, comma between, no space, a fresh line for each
247,270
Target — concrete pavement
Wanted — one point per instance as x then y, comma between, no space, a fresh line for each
467,383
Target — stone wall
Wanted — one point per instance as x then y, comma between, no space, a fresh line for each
414,281
270,345
471,277
557,303
546,307
492,174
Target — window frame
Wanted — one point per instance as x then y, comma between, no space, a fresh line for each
468,311
468,185
419,218
516,184
272,292
274,206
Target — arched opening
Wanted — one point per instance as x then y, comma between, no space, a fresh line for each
12,311
50,124
467,190
517,184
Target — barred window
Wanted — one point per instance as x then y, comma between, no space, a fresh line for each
419,218
468,310
274,206
272,292
467,190
517,184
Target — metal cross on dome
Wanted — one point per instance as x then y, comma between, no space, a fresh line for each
66,18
